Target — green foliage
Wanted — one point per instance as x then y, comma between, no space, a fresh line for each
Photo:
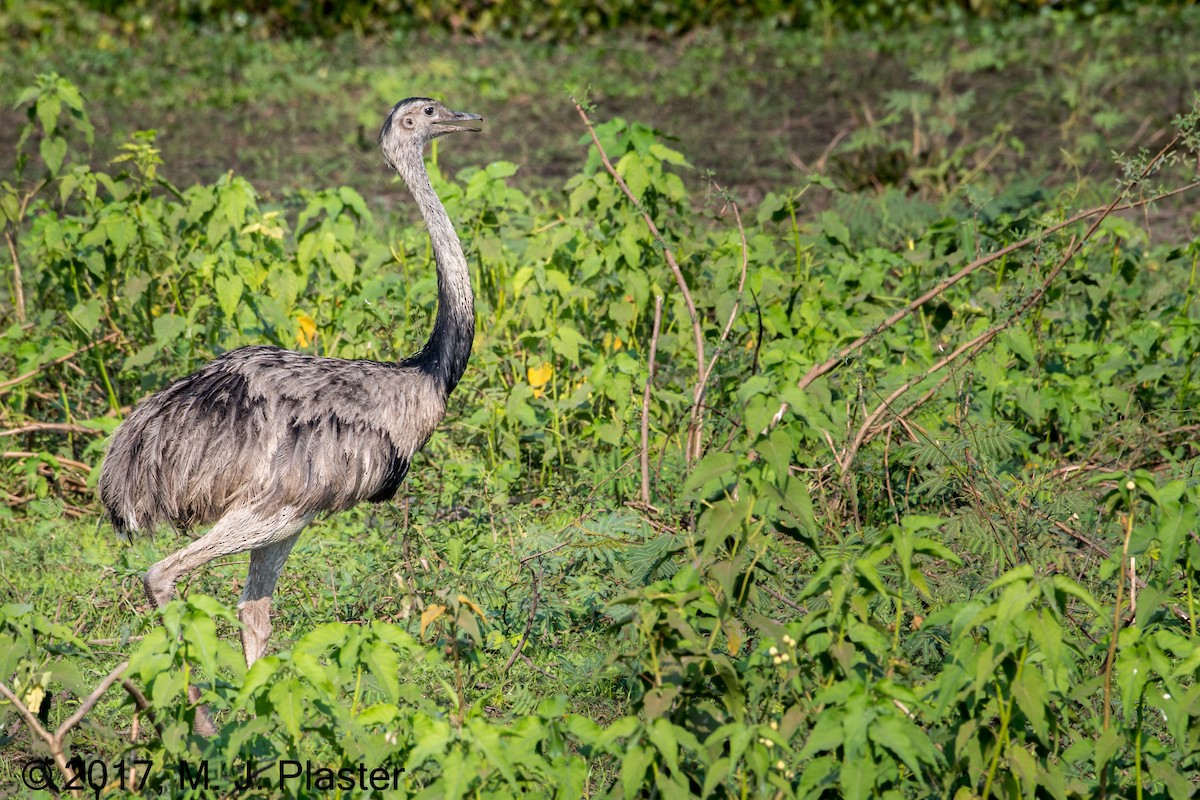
560,20
921,601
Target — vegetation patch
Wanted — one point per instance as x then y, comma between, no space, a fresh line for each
880,483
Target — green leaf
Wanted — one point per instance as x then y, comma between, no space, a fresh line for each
501,169
261,673
1106,747
1022,573
343,267
87,315
121,232
49,106
53,151
633,769
834,228
1032,699
716,466
432,736
287,698
229,294
169,328
662,734
905,740
1067,586
1017,339
632,168
200,635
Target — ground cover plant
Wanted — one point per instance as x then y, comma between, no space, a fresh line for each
867,475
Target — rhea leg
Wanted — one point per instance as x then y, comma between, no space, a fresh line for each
240,530
254,608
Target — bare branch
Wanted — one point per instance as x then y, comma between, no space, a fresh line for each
35,726
697,330
833,362
51,427
976,345
142,703
66,462
91,700
702,384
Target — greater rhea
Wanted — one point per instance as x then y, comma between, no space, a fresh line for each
261,440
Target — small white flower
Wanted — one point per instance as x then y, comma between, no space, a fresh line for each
779,765
775,725
773,651
1130,485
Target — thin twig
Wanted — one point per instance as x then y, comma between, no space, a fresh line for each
533,604
1112,645
91,700
792,604
18,292
645,454
55,741
142,703
6,385
116,640
66,462
554,549
702,384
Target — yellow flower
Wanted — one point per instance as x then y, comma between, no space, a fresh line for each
539,377
306,329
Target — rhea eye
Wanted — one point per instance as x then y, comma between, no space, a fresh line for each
429,111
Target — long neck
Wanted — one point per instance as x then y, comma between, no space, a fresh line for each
444,356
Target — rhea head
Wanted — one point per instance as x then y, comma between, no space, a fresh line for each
414,122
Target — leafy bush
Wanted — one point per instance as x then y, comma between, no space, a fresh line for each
879,573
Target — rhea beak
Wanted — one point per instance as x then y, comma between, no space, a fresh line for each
452,124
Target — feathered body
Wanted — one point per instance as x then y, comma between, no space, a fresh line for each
261,440
261,425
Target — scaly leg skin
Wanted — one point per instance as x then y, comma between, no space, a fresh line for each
240,530
254,608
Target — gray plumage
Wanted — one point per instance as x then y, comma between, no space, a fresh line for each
261,440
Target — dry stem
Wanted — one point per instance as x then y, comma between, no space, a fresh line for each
645,454
697,331
6,385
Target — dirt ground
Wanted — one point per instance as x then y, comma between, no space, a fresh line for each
760,112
